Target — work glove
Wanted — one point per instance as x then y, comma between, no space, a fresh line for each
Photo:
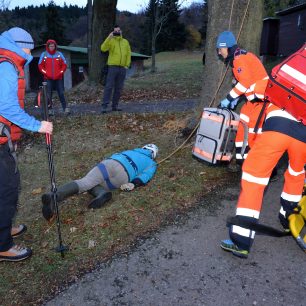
127,187
225,103
234,103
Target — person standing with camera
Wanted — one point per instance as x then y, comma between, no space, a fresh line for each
119,60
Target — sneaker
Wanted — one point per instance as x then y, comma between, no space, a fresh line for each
15,253
116,109
228,245
17,231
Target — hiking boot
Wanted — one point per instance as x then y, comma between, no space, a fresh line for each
48,208
17,231
228,245
101,197
15,253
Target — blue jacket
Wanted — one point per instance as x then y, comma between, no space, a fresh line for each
9,104
138,163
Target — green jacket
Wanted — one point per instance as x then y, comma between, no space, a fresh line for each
119,51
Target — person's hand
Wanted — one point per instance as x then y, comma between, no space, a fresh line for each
111,35
127,187
234,103
46,127
225,103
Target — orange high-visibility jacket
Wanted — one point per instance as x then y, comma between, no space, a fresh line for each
250,74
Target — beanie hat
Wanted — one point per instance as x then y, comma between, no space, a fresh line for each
226,40
22,38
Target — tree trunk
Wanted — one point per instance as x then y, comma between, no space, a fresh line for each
104,16
89,30
218,21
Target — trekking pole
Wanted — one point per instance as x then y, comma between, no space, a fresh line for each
61,248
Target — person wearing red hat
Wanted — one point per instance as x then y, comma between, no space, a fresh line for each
52,64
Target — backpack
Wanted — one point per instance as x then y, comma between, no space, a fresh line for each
287,85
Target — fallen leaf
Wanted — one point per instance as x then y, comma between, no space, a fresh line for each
36,191
91,244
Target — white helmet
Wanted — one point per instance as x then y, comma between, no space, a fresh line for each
153,148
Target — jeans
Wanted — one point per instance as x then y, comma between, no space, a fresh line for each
114,81
59,86
9,187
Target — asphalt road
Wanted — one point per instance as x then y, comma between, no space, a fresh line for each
182,264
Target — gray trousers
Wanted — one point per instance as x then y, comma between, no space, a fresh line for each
114,82
94,177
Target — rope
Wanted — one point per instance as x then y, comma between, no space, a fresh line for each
223,75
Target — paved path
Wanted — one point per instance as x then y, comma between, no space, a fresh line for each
183,264
129,107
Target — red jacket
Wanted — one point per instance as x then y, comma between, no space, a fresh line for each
52,64
18,62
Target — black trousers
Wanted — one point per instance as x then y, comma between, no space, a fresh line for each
9,185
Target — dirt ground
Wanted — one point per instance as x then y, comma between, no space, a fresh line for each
183,264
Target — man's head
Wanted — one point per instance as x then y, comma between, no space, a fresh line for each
117,31
225,41
153,148
51,46
22,38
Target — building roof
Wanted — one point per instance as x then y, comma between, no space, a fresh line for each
84,51
291,9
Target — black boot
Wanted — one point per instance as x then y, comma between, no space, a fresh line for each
62,193
101,197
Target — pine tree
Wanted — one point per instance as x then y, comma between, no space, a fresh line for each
54,26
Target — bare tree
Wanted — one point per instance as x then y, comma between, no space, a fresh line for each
104,16
159,16
4,4
233,15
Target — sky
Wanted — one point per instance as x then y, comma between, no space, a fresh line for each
123,5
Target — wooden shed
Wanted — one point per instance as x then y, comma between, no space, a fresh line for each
77,65
269,36
292,29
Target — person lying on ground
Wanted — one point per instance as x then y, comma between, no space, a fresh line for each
125,170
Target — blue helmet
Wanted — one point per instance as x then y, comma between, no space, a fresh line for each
226,40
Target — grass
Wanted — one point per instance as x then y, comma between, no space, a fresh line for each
94,235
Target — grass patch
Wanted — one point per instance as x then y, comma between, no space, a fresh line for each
95,235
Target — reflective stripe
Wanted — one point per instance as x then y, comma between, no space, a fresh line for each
280,113
244,118
247,212
294,173
44,71
259,131
240,87
259,96
210,156
251,97
239,156
253,179
294,73
233,94
243,231
239,144
282,211
291,197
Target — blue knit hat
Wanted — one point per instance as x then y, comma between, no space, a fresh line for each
21,37
226,40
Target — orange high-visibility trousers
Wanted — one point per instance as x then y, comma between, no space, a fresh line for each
248,116
257,169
